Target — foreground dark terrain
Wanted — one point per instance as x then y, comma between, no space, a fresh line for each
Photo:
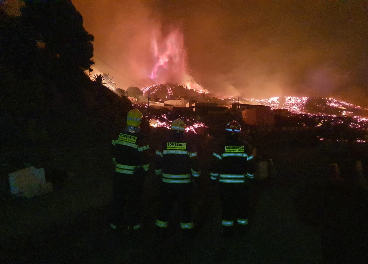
298,214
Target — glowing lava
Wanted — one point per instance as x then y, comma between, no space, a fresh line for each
163,121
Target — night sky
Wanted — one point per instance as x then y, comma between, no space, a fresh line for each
239,48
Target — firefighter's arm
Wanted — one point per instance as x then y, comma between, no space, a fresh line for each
251,163
194,165
144,156
215,167
158,162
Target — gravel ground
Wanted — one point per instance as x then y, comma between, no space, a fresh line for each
297,217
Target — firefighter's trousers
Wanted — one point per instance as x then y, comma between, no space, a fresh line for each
171,193
127,196
235,204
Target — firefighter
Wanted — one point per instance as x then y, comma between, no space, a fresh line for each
177,166
131,160
232,168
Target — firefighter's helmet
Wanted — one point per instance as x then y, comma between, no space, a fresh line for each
134,118
233,127
178,125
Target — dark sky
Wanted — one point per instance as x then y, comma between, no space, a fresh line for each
240,48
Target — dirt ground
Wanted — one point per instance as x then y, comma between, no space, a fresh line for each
298,216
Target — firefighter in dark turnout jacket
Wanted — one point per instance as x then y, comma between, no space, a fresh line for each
232,167
177,165
131,165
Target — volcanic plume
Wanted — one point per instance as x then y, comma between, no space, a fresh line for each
257,49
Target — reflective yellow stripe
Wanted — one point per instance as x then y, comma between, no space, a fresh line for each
176,146
234,149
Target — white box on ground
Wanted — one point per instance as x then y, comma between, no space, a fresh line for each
29,182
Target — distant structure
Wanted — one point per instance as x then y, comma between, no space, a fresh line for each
258,115
203,108
11,8
281,112
181,102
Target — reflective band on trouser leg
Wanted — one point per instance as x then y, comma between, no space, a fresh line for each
186,225
227,222
136,227
161,223
242,221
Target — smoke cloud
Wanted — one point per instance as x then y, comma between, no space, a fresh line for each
235,48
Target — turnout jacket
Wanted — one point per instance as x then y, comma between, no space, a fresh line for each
232,162
176,160
130,153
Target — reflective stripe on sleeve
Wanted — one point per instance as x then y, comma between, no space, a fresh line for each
158,153
143,148
242,221
227,222
136,227
158,172
214,176
250,175
250,157
186,225
195,173
146,167
217,155
192,154
162,223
